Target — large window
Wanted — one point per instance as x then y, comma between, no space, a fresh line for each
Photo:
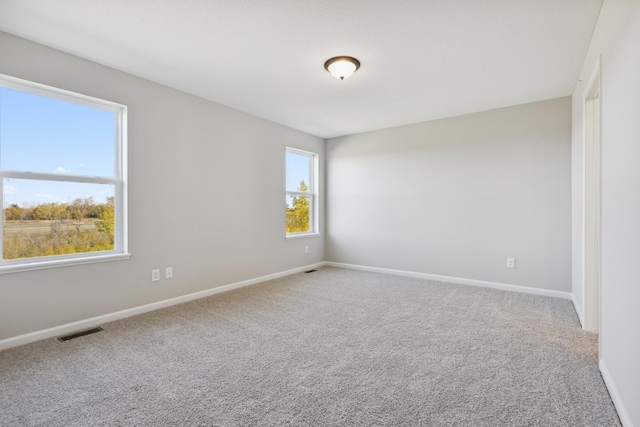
301,211
62,177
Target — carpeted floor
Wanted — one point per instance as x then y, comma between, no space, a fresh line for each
331,348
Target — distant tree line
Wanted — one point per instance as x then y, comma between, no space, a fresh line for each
76,210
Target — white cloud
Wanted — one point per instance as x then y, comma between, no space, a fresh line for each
45,196
9,189
60,169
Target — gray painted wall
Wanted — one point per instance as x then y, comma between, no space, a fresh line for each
206,197
616,39
457,196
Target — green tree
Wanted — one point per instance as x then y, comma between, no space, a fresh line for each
106,219
79,208
13,213
298,212
42,212
59,211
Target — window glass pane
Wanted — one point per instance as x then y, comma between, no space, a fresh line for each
40,134
43,218
297,214
298,172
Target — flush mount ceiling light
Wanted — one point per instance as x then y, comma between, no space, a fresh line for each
342,67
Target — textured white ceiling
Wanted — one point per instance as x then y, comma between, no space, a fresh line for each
421,60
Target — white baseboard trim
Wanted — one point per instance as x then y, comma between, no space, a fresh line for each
578,310
613,392
458,280
98,320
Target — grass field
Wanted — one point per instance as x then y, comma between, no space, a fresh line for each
37,238
43,226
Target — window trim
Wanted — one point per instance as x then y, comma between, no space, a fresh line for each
314,227
119,181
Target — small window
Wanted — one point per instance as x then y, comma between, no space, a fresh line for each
62,177
301,200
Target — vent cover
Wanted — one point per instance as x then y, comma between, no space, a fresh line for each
79,334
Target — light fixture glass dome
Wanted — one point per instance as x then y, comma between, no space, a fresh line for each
342,67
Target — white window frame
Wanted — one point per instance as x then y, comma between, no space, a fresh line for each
119,181
312,193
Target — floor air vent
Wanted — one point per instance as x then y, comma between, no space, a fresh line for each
79,334
310,271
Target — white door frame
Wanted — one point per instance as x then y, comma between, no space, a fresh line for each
592,108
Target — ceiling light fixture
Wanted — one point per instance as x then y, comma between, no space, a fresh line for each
342,67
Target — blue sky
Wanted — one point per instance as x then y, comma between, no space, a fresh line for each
297,170
40,134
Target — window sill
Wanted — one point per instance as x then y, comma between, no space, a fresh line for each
45,264
301,235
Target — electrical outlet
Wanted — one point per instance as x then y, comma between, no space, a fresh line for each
155,275
306,249
511,263
168,273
